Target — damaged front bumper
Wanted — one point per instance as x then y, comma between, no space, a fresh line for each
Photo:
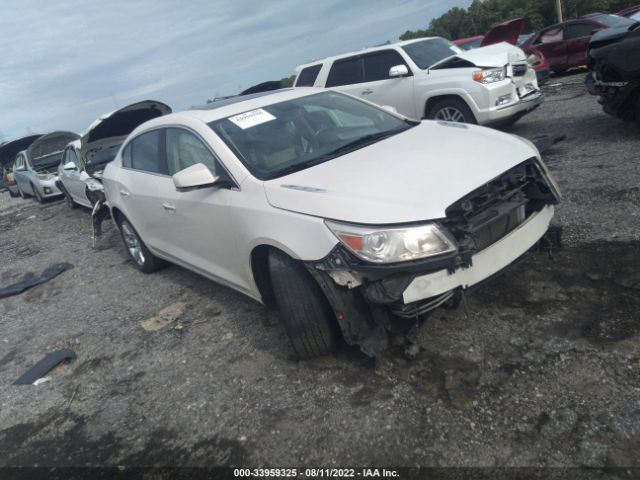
493,227
617,98
485,263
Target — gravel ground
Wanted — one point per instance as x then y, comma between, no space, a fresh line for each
544,371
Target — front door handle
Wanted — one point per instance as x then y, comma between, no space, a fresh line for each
124,193
367,91
169,207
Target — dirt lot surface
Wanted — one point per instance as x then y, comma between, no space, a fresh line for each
544,372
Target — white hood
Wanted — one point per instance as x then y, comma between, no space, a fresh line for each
410,177
497,55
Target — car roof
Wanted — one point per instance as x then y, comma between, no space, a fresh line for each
363,51
234,105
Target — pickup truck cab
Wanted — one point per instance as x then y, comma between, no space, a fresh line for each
433,78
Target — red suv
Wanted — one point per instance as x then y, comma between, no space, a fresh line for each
564,45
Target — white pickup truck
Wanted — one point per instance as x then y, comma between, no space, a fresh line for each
432,78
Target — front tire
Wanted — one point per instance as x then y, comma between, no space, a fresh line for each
21,193
304,310
13,194
137,251
70,202
36,193
451,110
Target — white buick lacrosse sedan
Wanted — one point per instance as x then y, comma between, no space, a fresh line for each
355,220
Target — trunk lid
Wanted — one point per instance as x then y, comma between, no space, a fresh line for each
508,31
411,177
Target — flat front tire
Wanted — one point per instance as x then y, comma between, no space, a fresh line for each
137,251
304,310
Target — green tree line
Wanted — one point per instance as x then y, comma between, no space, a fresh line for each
484,14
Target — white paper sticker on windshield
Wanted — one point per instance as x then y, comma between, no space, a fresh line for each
252,118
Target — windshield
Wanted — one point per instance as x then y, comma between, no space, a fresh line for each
428,52
612,20
279,139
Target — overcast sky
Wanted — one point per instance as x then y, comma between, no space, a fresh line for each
66,62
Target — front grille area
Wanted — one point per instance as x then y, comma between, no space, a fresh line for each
492,211
519,69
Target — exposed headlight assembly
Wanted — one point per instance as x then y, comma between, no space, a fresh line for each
490,75
389,245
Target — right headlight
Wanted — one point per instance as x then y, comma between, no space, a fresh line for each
490,75
389,245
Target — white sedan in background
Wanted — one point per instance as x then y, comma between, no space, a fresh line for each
353,219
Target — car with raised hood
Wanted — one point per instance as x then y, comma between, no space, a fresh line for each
614,71
564,45
353,219
433,78
36,169
509,31
84,159
8,153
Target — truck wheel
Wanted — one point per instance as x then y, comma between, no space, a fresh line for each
304,310
13,194
451,110
142,258
36,194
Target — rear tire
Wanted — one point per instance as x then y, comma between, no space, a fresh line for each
137,251
451,110
304,310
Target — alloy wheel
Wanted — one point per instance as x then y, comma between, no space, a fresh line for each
132,243
450,114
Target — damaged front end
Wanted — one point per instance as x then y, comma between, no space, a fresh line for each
370,299
614,71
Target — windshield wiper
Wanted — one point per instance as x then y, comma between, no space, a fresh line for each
362,142
347,147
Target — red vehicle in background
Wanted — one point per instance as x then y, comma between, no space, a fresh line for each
469,43
627,12
510,32
564,45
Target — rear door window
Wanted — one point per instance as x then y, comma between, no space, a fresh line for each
308,76
378,64
346,72
144,153
185,149
579,30
555,34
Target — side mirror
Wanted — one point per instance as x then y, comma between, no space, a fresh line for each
69,166
390,108
398,71
194,177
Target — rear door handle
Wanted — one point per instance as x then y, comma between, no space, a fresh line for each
367,91
124,193
169,207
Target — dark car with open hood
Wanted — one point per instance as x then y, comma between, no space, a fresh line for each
614,71
8,153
